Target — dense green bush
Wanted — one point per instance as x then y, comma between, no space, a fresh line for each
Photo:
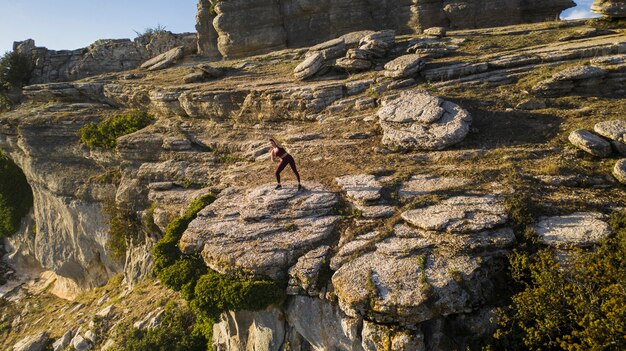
16,197
124,227
578,304
15,70
176,333
106,133
209,293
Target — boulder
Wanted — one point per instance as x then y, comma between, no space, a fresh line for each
310,66
590,143
410,276
35,342
261,230
423,184
80,343
610,8
461,214
305,275
63,341
417,120
353,39
619,171
362,188
615,131
378,43
404,66
331,49
164,60
580,229
353,64
438,32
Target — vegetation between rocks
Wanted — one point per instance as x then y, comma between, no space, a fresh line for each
569,302
175,333
15,71
105,134
16,197
208,292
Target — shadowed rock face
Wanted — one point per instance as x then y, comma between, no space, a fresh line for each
249,27
610,8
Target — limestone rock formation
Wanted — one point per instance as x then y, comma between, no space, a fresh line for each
590,143
404,66
331,49
460,214
419,121
436,31
610,8
615,131
261,230
244,27
577,229
365,193
33,343
102,56
310,66
164,60
423,184
619,171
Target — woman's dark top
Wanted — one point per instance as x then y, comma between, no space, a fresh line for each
280,152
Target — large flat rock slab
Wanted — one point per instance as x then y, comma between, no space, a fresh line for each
419,121
579,229
460,214
415,275
261,230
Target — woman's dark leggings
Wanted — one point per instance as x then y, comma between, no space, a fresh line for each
287,160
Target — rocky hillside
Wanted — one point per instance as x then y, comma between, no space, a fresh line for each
417,154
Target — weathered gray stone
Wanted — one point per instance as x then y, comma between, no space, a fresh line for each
613,130
63,341
80,343
436,32
261,230
404,66
32,343
619,171
419,121
590,142
577,229
362,188
531,104
164,60
378,43
422,184
304,276
353,64
331,49
310,66
461,214
240,331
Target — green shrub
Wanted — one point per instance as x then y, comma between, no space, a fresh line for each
15,70
216,293
166,252
176,333
124,227
209,293
105,134
16,197
577,305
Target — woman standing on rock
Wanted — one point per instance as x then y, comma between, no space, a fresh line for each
285,159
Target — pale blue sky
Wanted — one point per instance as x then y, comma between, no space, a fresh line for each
72,24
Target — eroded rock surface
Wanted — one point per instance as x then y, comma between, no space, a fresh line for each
461,214
590,142
577,229
419,121
261,230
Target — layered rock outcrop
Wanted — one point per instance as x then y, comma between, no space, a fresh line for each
103,56
245,27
